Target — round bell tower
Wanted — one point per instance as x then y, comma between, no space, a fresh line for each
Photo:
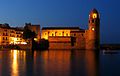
93,40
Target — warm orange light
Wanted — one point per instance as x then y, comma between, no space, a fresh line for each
93,28
35,39
94,15
15,39
15,64
23,43
45,37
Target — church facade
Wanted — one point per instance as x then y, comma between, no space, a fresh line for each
74,37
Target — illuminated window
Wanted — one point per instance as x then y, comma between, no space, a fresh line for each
6,34
3,34
45,34
52,34
67,34
94,15
3,38
74,34
63,33
93,28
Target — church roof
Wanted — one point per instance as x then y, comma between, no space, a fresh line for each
80,31
59,28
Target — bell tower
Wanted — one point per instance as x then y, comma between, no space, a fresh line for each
93,33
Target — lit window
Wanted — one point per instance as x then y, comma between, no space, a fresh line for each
67,34
45,33
94,15
93,28
3,38
52,34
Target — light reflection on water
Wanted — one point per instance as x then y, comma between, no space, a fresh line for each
53,63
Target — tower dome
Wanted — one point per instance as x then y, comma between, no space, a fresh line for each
94,11
94,14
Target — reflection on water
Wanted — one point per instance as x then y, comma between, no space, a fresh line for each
14,63
17,59
54,63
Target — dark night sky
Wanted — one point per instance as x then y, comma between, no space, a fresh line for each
63,13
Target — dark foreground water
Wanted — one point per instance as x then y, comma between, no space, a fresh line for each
59,63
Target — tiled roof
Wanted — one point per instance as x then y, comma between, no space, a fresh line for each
53,28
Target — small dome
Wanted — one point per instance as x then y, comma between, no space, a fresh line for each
94,11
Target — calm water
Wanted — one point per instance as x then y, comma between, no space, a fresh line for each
59,63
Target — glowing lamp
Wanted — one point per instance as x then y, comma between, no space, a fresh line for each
15,39
35,39
94,15
93,28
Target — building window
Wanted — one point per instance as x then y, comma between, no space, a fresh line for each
73,41
74,34
48,33
93,28
63,33
3,38
82,34
3,34
59,33
52,34
6,34
93,21
6,38
67,34
45,34
55,33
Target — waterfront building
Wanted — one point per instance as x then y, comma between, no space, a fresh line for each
74,37
14,35
10,35
58,37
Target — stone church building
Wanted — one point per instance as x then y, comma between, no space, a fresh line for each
75,37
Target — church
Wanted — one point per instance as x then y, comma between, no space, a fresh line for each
75,37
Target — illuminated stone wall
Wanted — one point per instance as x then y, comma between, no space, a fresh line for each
79,42
64,38
46,33
10,35
59,42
